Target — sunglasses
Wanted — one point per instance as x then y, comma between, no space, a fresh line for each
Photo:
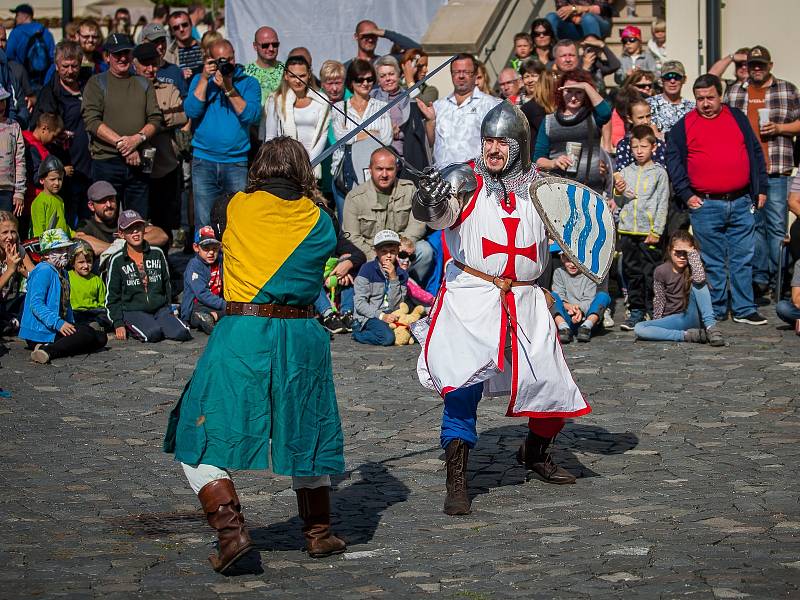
370,79
540,33
109,200
403,255
180,26
672,77
644,86
630,40
368,36
268,45
740,64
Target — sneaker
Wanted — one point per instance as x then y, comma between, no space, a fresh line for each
584,334
752,319
333,323
565,335
629,323
202,321
695,336
348,321
608,322
715,336
40,356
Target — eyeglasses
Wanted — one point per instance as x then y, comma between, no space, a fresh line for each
644,86
179,26
403,255
463,73
672,77
541,33
369,79
630,40
268,45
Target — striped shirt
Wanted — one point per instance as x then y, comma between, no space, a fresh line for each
191,58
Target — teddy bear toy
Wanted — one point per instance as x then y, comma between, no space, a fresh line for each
402,333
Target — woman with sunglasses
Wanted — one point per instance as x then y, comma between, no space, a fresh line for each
294,112
543,40
539,93
359,79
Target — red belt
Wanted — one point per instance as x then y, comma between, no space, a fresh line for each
275,311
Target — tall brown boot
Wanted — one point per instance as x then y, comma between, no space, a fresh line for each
314,506
533,453
224,513
457,500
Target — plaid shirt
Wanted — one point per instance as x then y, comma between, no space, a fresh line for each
783,102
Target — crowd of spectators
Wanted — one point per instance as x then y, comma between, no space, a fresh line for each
122,140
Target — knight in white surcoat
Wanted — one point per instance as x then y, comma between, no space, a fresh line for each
490,331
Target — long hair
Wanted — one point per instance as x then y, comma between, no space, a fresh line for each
282,157
545,24
544,92
683,236
485,87
283,89
576,75
638,75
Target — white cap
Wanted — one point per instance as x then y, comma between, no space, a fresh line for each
385,236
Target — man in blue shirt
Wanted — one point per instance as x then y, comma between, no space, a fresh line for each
223,103
20,45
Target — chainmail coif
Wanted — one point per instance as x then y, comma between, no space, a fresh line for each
512,178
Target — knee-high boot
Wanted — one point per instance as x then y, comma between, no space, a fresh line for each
314,506
457,500
224,513
535,456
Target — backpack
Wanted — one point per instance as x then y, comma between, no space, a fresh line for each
37,57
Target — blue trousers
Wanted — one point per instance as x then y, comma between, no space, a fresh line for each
590,25
725,230
787,311
770,229
346,301
210,180
460,415
597,307
423,265
670,329
374,332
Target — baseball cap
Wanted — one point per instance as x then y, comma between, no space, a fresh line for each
128,218
153,31
759,54
118,42
205,236
99,190
631,32
146,52
385,236
23,8
673,66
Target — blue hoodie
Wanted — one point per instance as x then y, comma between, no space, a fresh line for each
195,287
220,135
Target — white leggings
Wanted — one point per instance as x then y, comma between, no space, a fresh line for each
200,475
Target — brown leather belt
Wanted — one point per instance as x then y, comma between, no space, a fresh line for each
275,311
503,283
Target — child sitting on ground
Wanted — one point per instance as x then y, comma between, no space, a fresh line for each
139,294
642,192
579,302
47,210
380,287
15,265
47,321
682,308
405,257
789,310
87,291
203,305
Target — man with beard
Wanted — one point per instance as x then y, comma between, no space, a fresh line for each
90,37
100,230
490,332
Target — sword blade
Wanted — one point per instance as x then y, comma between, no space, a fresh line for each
350,135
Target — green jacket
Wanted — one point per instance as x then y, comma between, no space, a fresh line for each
126,290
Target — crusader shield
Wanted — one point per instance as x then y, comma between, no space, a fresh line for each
579,221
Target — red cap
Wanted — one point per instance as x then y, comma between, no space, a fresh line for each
631,32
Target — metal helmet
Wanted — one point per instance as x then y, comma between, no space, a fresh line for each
50,163
507,121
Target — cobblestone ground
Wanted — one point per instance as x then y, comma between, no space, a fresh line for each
687,487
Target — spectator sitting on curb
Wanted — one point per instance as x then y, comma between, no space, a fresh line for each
203,305
87,292
579,303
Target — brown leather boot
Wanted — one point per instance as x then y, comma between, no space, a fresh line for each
457,500
224,513
533,453
314,506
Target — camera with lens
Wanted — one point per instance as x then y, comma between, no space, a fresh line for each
225,66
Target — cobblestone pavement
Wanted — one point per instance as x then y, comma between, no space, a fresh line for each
688,486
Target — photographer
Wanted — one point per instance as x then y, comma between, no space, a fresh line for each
223,103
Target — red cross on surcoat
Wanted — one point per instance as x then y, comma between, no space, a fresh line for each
489,247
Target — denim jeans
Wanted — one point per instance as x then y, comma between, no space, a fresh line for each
210,181
422,266
375,333
770,231
338,198
725,231
590,25
131,183
598,306
787,311
346,301
699,312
